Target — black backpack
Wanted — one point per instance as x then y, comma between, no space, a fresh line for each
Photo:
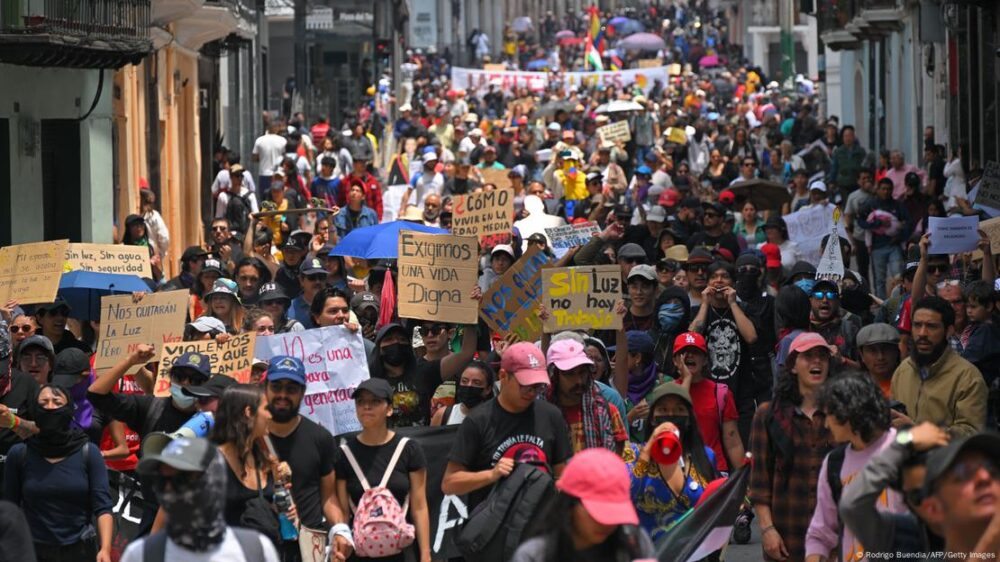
497,526
835,462
237,210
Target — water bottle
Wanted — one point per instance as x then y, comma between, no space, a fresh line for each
283,501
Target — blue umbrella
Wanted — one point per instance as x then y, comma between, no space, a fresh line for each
83,290
379,241
537,64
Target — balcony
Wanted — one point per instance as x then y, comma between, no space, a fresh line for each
74,33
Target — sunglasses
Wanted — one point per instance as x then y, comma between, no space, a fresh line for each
829,295
697,267
749,270
61,311
748,164
185,376
668,266
938,268
316,277
182,480
219,229
712,216
435,329
22,328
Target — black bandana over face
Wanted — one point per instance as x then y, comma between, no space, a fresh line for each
194,508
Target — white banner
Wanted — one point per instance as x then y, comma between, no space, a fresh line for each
335,365
807,228
478,80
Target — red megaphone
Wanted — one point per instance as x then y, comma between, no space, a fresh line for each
666,448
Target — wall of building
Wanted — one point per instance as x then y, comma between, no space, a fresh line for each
54,93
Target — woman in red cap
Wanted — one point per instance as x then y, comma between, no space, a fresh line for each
591,518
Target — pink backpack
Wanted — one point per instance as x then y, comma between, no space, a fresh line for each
380,527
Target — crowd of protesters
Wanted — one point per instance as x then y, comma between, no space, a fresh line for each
865,404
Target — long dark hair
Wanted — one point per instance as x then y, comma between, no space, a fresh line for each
555,525
232,426
786,388
791,308
691,442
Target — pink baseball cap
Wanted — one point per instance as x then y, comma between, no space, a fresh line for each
599,479
809,340
526,362
567,355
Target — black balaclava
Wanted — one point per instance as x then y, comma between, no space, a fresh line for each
195,508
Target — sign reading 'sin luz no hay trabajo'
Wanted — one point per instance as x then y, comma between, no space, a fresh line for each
582,297
437,273
335,363
233,358
30,273
157,319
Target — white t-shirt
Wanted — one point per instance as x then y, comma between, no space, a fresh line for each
270,150
424,186
228,551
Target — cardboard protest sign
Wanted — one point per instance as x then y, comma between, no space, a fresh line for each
953,235
335,363
562,238
989,186
510,306
157,319
992,229
831,263
30,273
614,132
807,228
483,214
437,273
233,358
582,298
109,258
496,177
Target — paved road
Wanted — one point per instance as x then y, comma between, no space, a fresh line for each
749,552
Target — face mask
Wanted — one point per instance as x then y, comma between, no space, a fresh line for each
54,421
680,421
469,396
746,285
195,508
181,400
396,354
670,316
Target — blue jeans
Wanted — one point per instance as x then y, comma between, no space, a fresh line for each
887,262
263,188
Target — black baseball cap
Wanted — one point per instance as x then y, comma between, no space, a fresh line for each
214,388
940,460
192,253
50,306
69,365
379,387
183,453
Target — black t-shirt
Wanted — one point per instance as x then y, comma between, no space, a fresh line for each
288,279
490,433
68,341
373,460
132,409
23,389
412,393
310,451
238,495
728,352
15,537
725,240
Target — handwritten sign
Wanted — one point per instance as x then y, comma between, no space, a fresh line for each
233,358
510,306
992,229
335,365
156,319
831,264
614,132
989,186
436,275
29,273
808,227
562,238
496,177
677,135
952,235
109,258
582,298
483,214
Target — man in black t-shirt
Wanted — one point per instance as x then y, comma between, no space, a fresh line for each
714,234
729,333
513,427
309,450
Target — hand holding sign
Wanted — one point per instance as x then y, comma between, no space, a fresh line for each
952,235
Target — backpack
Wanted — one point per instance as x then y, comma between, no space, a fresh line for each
380,527
154,547
834,463
237,210
497,526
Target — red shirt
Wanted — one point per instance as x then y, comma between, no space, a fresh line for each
126,386
373,192
706,395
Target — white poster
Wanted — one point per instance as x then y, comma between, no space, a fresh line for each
478,80
392,200
335,365
423,24
808,227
